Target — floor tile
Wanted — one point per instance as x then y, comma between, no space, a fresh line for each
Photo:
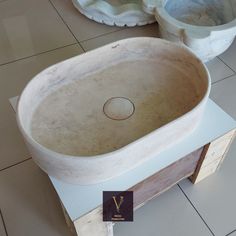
169,214
2,230
215,196
148,30
28,27
229,57
14,77
233,233
218,70
224,94
12,147
82,27
29,203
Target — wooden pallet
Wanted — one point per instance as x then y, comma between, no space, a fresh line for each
196,166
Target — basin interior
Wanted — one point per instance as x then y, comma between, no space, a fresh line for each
86,107
202,12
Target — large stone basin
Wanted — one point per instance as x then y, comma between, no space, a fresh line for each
208,27
97,115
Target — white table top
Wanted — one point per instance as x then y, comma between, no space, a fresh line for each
79,200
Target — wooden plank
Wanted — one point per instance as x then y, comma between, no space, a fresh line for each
212,156
92,224
207,170
218,147
165,179
199,164
89,224
227,148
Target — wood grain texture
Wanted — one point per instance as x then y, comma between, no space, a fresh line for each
233,132
165,179
212,156
199,164
93,224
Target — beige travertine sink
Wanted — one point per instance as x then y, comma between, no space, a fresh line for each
97,115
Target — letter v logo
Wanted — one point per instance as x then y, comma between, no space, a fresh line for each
118,204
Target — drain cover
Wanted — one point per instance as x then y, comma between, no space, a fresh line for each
118,108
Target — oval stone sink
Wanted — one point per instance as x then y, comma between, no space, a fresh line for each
97,115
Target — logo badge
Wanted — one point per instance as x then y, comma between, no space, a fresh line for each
117,206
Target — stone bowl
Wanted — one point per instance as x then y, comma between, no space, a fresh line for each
208,27
115,12
97,115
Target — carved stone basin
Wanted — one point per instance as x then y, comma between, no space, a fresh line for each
208,27
115,12
97,115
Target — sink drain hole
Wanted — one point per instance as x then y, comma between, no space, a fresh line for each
118,108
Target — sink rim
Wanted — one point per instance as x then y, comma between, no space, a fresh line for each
161,10
58,155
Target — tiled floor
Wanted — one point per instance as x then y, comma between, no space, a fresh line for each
13,78
168,215
29,27
2,229
35,34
